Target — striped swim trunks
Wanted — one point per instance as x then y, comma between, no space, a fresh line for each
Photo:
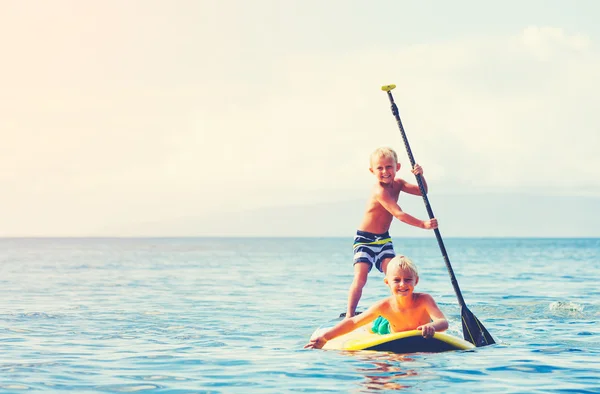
372,248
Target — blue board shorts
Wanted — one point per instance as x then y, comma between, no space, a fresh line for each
372,248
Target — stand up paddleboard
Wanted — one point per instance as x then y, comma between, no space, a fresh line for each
474,333
399,342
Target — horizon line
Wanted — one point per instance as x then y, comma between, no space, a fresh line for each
275,237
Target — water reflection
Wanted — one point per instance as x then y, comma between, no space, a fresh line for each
385,371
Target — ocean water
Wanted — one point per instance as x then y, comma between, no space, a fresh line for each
185,315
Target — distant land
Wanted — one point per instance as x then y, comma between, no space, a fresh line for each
482,215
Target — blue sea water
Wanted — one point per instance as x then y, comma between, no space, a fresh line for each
184,315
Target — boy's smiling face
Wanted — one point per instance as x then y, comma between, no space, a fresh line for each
384,168
401,281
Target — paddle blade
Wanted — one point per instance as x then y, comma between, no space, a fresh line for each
473,330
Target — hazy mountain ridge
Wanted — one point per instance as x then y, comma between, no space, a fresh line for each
489,215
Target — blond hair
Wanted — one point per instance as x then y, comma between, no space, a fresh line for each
384,152
403,263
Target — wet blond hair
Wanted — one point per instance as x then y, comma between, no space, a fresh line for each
403,263
384,152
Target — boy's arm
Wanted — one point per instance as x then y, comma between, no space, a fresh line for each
345,326
392,207
412,188
438,320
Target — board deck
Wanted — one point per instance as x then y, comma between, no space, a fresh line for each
400,342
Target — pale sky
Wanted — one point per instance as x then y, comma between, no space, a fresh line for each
118,113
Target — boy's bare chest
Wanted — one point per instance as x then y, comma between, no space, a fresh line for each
390,192
393,193
408,318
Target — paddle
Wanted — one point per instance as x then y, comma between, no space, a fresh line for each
473,330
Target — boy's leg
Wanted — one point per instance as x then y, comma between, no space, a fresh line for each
384,264
361,271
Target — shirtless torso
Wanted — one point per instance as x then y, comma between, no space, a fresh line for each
411,314
377,219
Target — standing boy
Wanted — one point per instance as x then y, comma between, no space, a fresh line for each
372,244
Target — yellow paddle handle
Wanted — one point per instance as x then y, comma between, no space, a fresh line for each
387,88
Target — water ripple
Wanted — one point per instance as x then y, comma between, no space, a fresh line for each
174,315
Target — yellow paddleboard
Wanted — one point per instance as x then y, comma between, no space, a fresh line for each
399,342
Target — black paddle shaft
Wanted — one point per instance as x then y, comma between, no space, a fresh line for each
473,329
396,114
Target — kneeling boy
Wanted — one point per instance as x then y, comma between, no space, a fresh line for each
404,309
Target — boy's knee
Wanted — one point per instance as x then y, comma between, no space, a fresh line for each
359,281
361,272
